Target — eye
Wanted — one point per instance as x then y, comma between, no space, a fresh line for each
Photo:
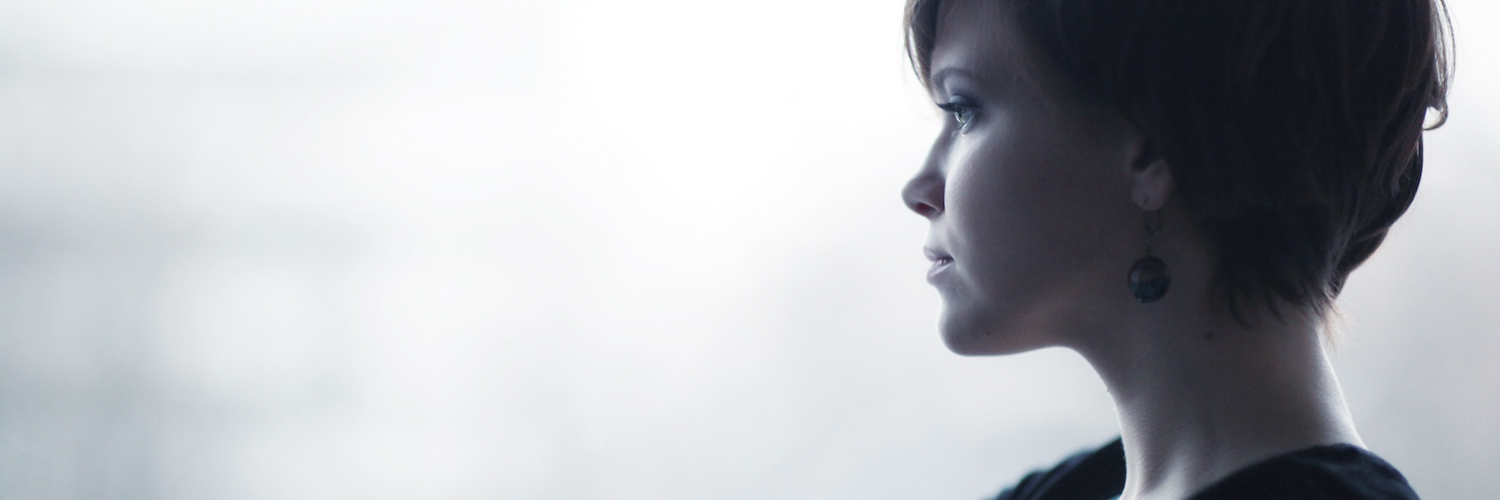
962,109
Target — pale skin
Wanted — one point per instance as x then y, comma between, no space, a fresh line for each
1037,202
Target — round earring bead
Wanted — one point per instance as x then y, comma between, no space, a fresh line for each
1148,279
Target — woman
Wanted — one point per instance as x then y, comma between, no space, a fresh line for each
1177,190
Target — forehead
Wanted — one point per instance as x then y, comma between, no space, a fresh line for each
979,39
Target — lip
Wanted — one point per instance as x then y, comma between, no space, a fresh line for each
941,261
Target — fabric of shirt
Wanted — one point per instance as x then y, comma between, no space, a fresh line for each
1330,472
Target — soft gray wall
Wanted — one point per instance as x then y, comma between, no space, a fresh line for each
573,249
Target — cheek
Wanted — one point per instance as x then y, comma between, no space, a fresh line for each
1017,197
1033,219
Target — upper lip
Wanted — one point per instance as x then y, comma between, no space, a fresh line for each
936,255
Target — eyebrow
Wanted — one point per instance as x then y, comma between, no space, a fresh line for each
947,71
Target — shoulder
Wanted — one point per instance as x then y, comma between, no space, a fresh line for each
1088,475
1321,472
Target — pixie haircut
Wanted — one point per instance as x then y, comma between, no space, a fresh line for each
1292,128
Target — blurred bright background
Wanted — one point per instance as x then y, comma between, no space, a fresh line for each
277,249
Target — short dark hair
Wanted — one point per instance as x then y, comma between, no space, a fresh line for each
1292,128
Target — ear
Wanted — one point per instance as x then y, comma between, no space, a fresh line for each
1150,177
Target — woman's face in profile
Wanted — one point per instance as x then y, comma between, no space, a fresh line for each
1027,191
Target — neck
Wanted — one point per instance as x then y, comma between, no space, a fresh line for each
1201,399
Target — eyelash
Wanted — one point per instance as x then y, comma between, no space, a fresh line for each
962,110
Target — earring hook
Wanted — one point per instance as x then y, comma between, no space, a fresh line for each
1151,232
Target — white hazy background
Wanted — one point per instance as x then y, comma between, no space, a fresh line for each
278,249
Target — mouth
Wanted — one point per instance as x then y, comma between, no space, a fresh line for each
941,261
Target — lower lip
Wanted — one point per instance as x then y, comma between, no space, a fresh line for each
937,268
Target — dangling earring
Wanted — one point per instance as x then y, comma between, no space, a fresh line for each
1148,278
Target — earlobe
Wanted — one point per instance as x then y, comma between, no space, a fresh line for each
1150,178
1152,185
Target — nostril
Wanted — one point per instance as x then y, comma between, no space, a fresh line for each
924,209
924,195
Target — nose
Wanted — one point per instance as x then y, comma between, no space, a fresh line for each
923,194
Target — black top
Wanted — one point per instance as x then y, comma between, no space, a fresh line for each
1330,472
